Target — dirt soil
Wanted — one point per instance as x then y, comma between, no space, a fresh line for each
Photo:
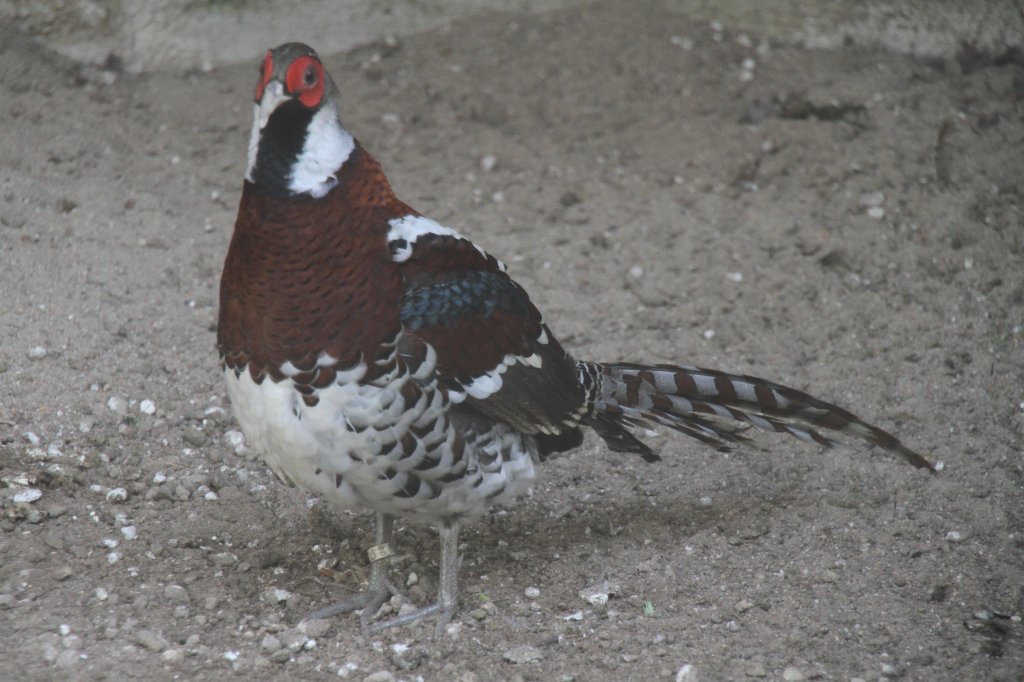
846,222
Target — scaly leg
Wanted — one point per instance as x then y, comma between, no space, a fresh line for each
448,594
380,588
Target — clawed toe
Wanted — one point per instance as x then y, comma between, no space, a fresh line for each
443,614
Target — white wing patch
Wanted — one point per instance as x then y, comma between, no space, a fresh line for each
406,230
489,383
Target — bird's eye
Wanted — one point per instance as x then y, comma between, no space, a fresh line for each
305,79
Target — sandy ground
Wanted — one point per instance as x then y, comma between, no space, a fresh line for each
846,222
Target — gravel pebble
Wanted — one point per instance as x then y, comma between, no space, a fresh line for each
379,676
172,656
27,495
61,572
229,559
531,592
149,639
55,511
270,644
177,594
275,595
293,639
37,352
194,438
117,495
314,628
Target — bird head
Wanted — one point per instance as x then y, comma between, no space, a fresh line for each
297,143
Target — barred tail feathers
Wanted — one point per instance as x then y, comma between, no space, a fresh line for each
715,407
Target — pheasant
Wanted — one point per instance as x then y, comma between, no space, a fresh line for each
385,362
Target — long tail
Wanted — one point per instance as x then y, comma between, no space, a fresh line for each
715,408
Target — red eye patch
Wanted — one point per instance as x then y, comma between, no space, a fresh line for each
265,71
305,78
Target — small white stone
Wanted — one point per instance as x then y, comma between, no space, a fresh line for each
686,673
954,536
636,272
37,353
349,668
113,557
709,334
412,579
574,616
102,594
275,595
705,501
734,276
531,592
235,439
117,404
159,477
231,656
64,629
876,212
109,543
28,495
488,162
130,532
147,407
117,495
34,439
210,496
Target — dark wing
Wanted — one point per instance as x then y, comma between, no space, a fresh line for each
494,353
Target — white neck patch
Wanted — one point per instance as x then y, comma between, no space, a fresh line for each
326,148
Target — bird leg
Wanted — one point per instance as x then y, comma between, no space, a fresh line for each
379,590
448,593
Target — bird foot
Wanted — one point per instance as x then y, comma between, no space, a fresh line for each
380,588
367,603
440,611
